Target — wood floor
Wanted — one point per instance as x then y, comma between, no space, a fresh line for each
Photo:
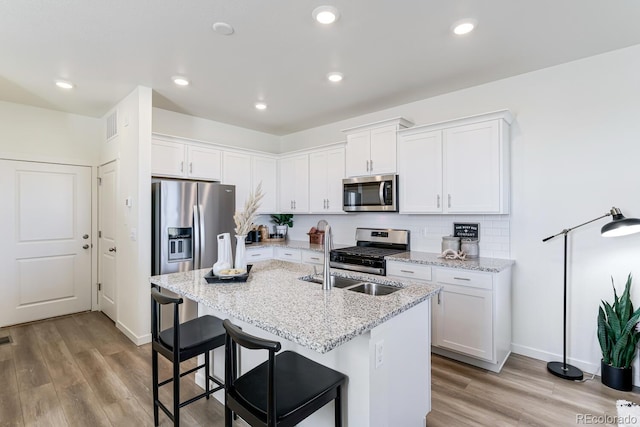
80,370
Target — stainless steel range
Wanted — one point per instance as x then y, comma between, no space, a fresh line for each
372,245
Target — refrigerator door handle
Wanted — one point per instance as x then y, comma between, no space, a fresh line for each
202,236
196,238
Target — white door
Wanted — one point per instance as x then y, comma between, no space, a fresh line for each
358,153
236,170
335,173
420,171
318,168
45,254
264,170
108,175
383,150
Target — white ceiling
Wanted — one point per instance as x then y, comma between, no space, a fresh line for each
390,51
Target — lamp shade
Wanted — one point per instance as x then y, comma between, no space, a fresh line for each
619,225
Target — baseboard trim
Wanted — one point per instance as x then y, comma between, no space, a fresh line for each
550,357
136,339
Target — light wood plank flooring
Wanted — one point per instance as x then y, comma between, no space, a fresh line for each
79,370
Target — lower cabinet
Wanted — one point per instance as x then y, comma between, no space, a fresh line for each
259,254
312,257
471,316
287,254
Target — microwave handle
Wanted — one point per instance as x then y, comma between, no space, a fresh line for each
381,194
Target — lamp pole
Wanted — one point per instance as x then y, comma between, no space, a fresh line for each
563,369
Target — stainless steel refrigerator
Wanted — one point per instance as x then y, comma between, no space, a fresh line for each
187,216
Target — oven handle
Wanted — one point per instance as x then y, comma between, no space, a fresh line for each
353,267
381,193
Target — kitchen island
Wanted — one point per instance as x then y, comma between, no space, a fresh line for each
382,343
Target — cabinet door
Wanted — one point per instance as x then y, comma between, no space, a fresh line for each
472,168
335,174
464,321
420,170
383,150
204,163
236,170
318,182
264,170
167,159
294,184
358,154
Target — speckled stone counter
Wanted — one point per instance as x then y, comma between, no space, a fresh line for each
292,244
275,300
491,265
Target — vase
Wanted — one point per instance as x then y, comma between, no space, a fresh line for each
282,230
224,253
617,378
241,253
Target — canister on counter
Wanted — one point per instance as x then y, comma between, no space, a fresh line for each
470,248
450,242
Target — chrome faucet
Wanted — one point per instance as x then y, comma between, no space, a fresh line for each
327,283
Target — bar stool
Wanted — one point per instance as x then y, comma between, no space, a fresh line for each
282,391
179,343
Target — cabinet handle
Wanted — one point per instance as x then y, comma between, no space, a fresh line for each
449,195
408,271
290,204
367,165
315,258
438,201
294,205
255,254
327,203
371,165
462,278
439,293
190,167
181,166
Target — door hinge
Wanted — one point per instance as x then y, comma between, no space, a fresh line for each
99,286
99,181
99,233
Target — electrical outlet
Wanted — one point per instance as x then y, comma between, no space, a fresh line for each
425,232
379,353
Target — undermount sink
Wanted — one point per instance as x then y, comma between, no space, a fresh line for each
355,285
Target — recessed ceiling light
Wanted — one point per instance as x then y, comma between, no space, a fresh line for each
464,26
261,106
63,84
335,77
325,14
180,81
223,28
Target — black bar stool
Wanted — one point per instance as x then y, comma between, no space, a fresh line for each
282,391
180,343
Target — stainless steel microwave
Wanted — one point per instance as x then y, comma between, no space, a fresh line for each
370,194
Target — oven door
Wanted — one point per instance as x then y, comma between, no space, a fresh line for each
370,194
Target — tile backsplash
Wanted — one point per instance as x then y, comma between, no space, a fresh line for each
426,230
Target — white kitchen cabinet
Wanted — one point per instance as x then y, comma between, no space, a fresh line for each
371,149
181,160
312,257
246,171
294,184
262,253
471,317
288,254
407,270
326,170
461,166
420,172
265,170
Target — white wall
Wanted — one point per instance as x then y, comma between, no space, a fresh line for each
38,134
132,148
176,124
575,152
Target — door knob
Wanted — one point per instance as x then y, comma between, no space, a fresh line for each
112,249
85,246
86,236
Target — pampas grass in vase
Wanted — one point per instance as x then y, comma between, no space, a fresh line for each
244,222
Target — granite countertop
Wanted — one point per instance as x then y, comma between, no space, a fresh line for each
291,244
274,299
491,265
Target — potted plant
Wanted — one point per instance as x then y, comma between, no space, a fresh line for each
618,339
283,222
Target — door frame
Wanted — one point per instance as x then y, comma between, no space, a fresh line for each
96,271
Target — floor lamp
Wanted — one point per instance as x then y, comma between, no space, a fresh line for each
619,226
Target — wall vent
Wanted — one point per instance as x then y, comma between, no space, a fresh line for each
112,125
5,340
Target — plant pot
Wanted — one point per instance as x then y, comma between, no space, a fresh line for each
617,378
282,230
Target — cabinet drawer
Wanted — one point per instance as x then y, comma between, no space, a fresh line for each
409,270
464,278
287,254
259,254
309,257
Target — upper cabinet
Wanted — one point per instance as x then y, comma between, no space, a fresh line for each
461,166
246,171
294,184
326,170
179,160
371,149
